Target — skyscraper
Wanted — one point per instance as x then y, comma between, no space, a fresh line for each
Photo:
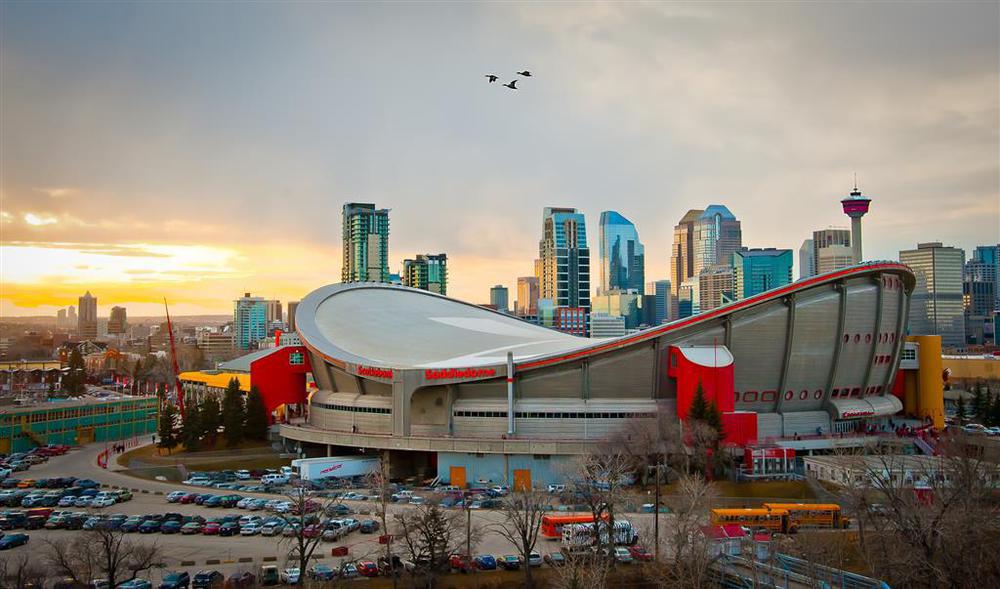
807,259
272,311
427,272
717,234
622,261
760,270
620,303
855,207
87,322
71,315
249,321
61,317
292,306
500,298
682,253
118,322
979,290
366,243
527,296
662,308
832,250
715,287
564,259
936,302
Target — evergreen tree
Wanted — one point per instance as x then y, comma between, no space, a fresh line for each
960,408
994,410
167,430
713,418
211,418
75,381
256,423
233,413
978,405
191,428
699,406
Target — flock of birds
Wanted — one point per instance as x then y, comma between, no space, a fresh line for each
513,83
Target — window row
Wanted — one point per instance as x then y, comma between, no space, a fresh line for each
354,409
558,415
881,338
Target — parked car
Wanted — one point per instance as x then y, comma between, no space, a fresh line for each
622,555
349,570
367,568
240,580
176,496
534,559
229,529
176,580
290,576
641,554
510,562
251,529
555,559
485,562
208,580
170,527
321,572
461,563
192,528
9,541
135,584
369,526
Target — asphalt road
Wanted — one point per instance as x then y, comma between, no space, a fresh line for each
178,549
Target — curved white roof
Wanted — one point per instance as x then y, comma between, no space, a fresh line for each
396,326
711,356
391,326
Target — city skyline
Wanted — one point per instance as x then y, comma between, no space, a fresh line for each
138,164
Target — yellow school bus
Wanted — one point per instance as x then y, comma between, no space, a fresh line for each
812,515
775,520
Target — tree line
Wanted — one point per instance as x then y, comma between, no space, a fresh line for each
203,423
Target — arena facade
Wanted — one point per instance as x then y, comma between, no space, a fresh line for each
468,394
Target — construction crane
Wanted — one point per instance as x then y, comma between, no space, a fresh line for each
173,360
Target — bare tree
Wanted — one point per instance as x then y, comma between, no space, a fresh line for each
522,512
108,554
690,555
308,517
378,481
929,521
21,572
430,535
581,571
599,479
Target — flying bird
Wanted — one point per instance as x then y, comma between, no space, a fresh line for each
512,85
491,77
525,73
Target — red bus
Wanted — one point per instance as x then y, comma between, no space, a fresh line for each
552,525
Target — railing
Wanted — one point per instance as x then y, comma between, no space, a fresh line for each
836,577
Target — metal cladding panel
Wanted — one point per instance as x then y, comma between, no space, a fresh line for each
703,336
758,344
373,387
625,374
429,407
804,423
561,382
487,389
814,340
334,419
768,425
886,338
343,382
321,372
859,334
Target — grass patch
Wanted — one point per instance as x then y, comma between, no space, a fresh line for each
248,463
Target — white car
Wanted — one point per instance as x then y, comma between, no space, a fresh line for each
290,576
622,555
243,475
352,496
102,502
251,529
83,502
198,481
352,524
250,519
283,507
245,502
535,559
175,496
557,488
417,500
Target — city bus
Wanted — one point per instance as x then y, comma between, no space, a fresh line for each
774,520
812,515
552,525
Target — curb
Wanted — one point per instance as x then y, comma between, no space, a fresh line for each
187,563
270,559
212,561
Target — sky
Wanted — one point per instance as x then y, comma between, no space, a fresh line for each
197,151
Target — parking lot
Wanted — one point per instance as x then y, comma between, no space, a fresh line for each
195,551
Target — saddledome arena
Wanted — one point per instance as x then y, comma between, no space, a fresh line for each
464,393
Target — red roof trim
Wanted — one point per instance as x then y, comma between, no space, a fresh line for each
763,297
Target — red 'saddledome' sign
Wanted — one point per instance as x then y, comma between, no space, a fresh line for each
459,373
375,372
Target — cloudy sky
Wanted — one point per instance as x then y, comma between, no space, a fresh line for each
197,151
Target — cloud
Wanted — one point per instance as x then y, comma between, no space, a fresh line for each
39,220
56,192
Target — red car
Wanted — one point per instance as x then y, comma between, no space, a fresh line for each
312,531
461,562
211,529
189,498
640,554
366,568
